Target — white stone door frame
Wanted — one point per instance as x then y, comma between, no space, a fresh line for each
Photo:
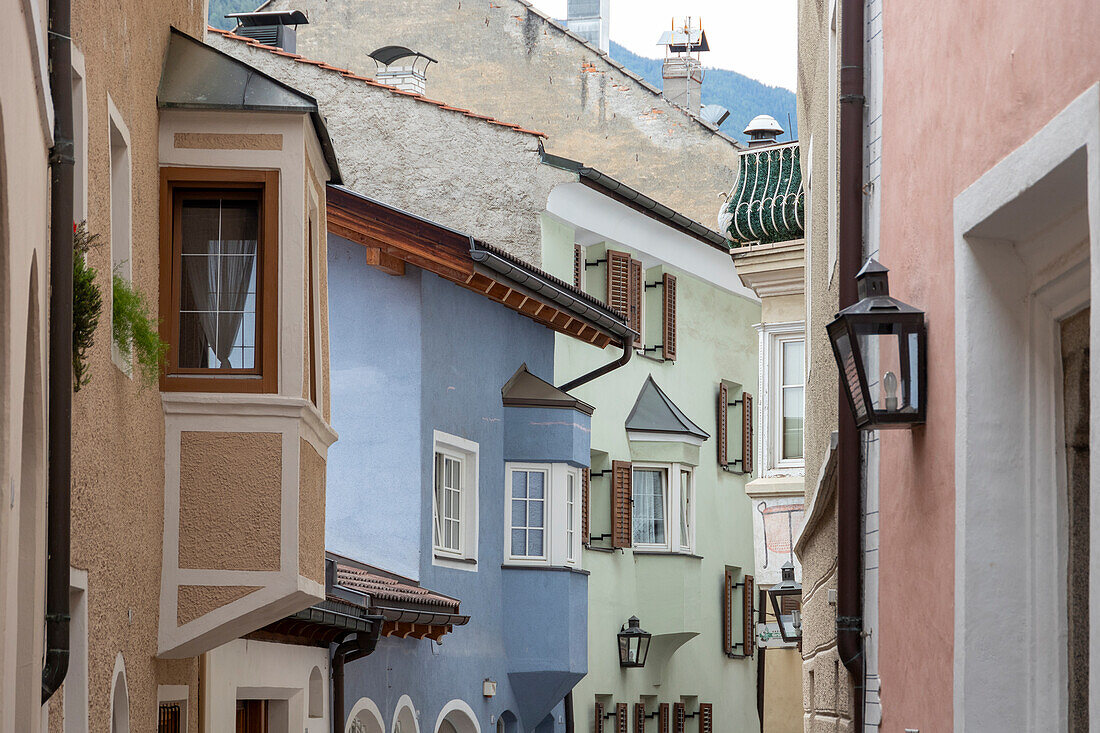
1027,254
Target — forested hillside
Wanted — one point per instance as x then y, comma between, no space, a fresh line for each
743,97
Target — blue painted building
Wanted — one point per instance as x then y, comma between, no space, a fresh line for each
459,467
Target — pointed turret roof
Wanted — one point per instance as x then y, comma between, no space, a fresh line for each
654,412
524,389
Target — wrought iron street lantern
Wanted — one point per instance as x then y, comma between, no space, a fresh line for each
790,624
633,644
880,345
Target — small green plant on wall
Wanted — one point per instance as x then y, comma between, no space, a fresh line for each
87,303
135,331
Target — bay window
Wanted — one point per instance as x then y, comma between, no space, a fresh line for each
542,514
663,516
219,284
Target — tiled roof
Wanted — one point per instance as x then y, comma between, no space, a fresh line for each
766,204
385,588
371,82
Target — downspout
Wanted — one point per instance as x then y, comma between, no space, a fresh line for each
569,712
849,610
56,659
349,651
628,351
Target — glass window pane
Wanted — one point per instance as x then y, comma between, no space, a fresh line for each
537,481
218,278
792,422
519,483
793,362
534,513
534,543
519,513
519,542
649,506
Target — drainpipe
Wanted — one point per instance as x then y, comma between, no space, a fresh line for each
849,610
628,351
56,659
569,712
349,651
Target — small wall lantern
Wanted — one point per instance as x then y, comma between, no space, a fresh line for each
880,345
790,624
633,644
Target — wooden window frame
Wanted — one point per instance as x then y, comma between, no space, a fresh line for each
175,184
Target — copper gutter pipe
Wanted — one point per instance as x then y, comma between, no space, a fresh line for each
849,609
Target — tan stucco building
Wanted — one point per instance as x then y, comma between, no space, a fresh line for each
197,492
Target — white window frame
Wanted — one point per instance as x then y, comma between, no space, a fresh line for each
772,338
547,504
121,184
467,453
674,541
556,550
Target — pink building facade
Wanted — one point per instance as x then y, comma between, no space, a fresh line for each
981,548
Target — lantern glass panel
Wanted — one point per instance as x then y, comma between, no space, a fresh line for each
847,358
627,656
643,650
889,352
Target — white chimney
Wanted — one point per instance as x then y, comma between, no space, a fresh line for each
591,20
402,68
683,68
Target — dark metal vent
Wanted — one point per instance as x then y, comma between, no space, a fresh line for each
266,34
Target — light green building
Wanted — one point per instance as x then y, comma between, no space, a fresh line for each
670,527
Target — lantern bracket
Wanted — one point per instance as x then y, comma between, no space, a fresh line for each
596,263
654,284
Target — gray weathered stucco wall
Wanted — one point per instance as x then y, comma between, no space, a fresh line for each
469,174
825,682
505,59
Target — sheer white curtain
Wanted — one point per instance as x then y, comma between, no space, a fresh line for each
219,266
649,506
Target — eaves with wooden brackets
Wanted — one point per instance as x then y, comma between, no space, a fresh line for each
395,238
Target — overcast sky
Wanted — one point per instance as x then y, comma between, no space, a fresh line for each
757,38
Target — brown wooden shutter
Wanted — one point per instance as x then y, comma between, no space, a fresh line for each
706,717
679,718
597,727
747,617
727,613
746,432
586,504
618,282
668,320
622,722
662,718
622,507
723,424
639,718
637,290
578,264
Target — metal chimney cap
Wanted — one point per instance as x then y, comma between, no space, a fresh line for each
271,17
763,125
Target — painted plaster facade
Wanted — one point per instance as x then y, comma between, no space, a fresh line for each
457,349
26,129
764,221
508,60
116,676
676,595
951,578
